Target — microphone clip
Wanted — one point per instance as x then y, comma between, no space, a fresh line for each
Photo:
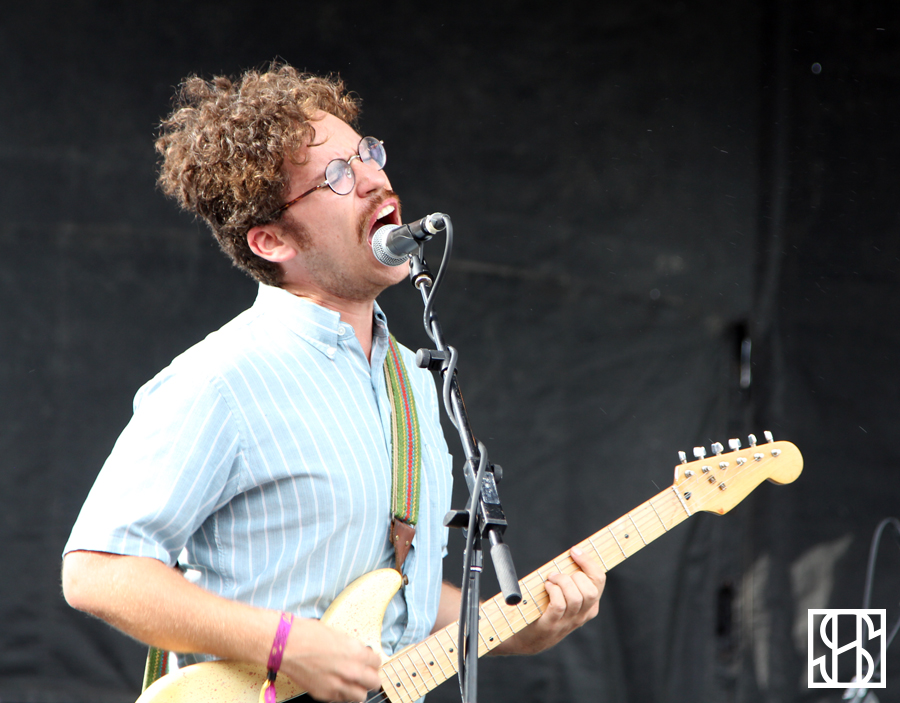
419,273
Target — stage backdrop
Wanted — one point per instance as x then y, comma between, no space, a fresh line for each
675,224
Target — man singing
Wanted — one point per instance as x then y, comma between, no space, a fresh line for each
253,482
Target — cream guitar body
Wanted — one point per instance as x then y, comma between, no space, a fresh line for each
358,611
714,484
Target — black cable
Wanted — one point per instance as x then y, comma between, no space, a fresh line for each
449,373
429,302
867,596
870,576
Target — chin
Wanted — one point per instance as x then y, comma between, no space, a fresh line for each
397,274
389,276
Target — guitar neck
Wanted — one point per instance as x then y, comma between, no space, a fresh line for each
415,671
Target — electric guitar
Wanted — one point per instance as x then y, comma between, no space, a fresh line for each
714,484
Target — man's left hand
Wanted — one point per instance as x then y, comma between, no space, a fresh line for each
574,599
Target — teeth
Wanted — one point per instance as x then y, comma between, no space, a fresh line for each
384,212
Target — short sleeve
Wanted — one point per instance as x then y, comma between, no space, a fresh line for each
177,462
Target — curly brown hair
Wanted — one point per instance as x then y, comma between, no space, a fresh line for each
224,144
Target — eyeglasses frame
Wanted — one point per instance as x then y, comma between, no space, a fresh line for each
325,183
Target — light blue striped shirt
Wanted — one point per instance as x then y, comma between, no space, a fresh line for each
260,459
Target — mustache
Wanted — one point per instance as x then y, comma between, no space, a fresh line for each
376,201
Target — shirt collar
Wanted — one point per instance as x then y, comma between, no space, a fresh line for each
319,326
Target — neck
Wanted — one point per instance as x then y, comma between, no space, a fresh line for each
356,313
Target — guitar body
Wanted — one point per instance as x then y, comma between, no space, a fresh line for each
219,681
358,611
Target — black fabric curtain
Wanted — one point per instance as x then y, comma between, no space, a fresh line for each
675,225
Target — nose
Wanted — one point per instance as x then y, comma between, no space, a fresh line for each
369,178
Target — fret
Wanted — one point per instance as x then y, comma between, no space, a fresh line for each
500,610
598,552
398,685
428,675
681,500
650,503
534,600
644,523
531,603
518,606
437,659
624,553
449,646
447,651
650,522
640,534
485,617
412,677
484,642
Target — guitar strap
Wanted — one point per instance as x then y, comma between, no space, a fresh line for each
406,442
156,667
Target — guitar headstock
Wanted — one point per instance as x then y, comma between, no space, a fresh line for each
718,482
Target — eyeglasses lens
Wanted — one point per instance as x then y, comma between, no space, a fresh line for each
339,173
371,151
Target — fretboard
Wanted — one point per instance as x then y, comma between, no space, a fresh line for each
415,671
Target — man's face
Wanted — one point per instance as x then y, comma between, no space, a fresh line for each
335,254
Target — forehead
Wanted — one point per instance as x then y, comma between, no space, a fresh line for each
332,137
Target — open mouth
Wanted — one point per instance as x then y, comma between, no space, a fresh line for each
387,215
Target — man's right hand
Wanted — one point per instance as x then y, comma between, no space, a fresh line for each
328,664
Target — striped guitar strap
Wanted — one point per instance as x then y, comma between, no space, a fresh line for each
407,464
406,442
157,666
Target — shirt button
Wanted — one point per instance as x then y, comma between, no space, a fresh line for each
341,330
331,351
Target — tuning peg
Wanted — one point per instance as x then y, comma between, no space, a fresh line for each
683,457
717,448
768,436
734,444
699,452
752,439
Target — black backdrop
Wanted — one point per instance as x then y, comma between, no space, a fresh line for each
636,190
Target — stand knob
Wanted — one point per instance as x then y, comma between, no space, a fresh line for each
430,359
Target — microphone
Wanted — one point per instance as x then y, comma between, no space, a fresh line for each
393,244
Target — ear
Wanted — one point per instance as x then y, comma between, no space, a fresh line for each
269,243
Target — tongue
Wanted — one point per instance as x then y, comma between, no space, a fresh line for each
378,225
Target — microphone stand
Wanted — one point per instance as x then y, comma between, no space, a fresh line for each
483,517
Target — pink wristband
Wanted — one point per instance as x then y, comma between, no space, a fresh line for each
267,695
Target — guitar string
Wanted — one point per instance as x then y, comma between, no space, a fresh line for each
568,567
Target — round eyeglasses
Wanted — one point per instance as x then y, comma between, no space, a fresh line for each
339,174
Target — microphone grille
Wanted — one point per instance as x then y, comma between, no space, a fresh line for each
381,251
